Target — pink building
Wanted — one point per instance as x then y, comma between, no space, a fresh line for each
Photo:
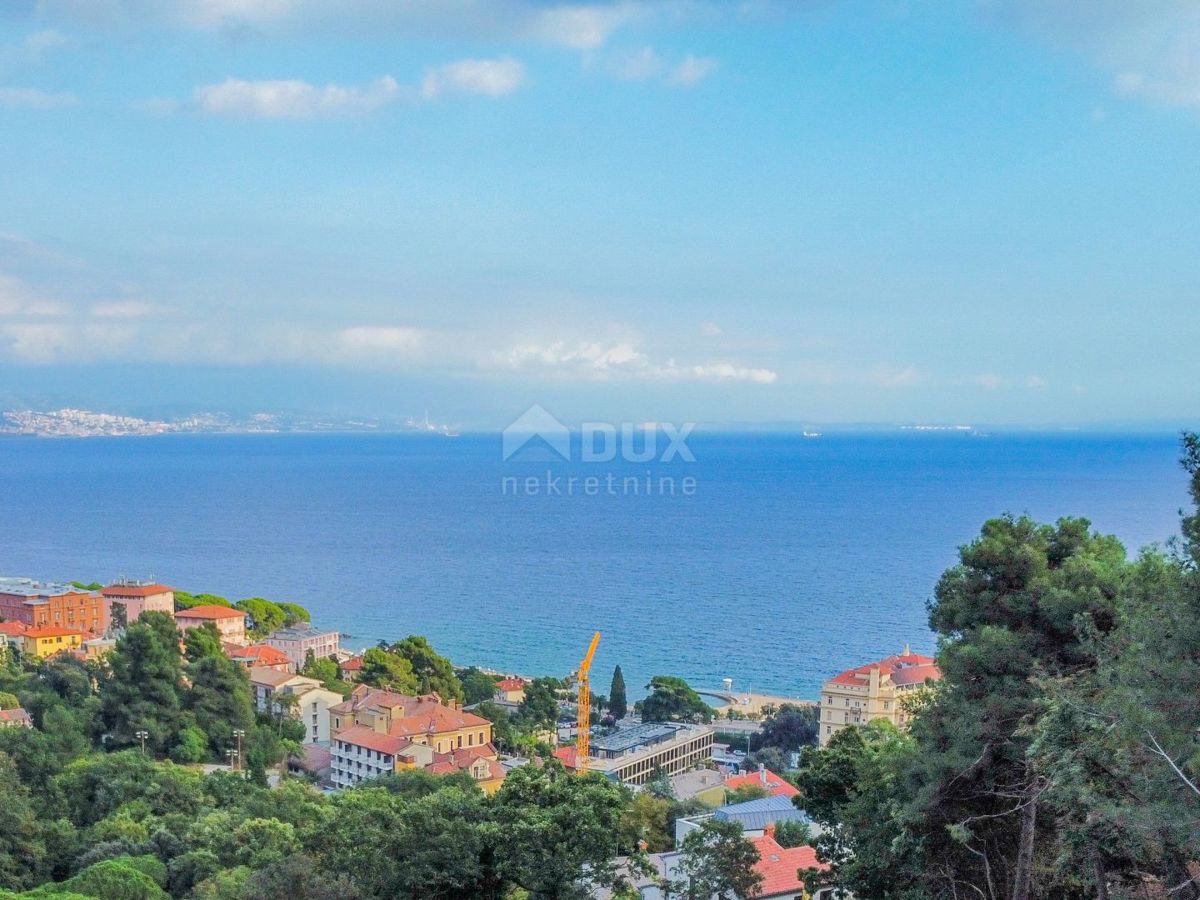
300,640
231,623
137,597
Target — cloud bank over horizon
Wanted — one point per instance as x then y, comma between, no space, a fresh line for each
765,210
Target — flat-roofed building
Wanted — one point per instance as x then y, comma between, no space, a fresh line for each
636,753
127,600
44,604
297,641
231,623
874,691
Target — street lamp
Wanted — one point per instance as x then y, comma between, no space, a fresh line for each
233,756
141,736
238,734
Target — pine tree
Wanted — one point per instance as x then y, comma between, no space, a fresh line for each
617,704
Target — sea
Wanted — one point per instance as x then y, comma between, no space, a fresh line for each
775,560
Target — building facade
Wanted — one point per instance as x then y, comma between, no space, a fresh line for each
874,691
231,623
300,640
50,605
636,753
127,600
307,701
38,643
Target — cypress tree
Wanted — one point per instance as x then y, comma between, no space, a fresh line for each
617,706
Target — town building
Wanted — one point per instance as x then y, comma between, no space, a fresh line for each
307,700
755,817
15,718
764,778
231,623
349,669
127,600
98,648
510,690
379,731
259,656
297,641
706,786
636,753
444,726
38,643
360,753
874,691
10,635
51,605
778,866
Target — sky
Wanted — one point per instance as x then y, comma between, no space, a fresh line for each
771,211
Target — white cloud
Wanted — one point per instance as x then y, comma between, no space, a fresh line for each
489,77
640,65
292,99
1035,382
381,339
618,360
37,342
710,329
123,309
584,27
33,98
692,70
1151,47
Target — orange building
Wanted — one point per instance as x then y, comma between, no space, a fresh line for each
137,597
48,605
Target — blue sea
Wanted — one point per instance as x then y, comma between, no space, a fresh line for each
788,560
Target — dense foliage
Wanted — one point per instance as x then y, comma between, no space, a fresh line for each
1058,757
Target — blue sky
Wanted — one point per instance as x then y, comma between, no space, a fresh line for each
746,212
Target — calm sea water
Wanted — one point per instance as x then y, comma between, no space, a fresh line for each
791,560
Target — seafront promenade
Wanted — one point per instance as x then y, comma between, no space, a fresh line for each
751,703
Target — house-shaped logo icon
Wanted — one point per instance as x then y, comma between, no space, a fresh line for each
537,426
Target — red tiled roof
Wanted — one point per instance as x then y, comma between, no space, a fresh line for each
917,674
366,736
210,612
779,866
353,664
262,653
422,715
566,756
135,590
51,631
17,715
890,666
511,684
774,785
13,629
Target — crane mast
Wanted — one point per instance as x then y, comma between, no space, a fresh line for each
584,718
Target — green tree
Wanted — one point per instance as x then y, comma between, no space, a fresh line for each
191,747
717,862
115,879
325,671
143,690
539,709
791,833
219,700
202,641
383,669
434,673
9,701
788,728
579,817
265,616
617,703
22,845
478,686
671,699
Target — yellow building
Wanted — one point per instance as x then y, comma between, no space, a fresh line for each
874,691
376,731
39,643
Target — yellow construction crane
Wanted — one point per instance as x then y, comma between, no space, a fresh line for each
584,723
